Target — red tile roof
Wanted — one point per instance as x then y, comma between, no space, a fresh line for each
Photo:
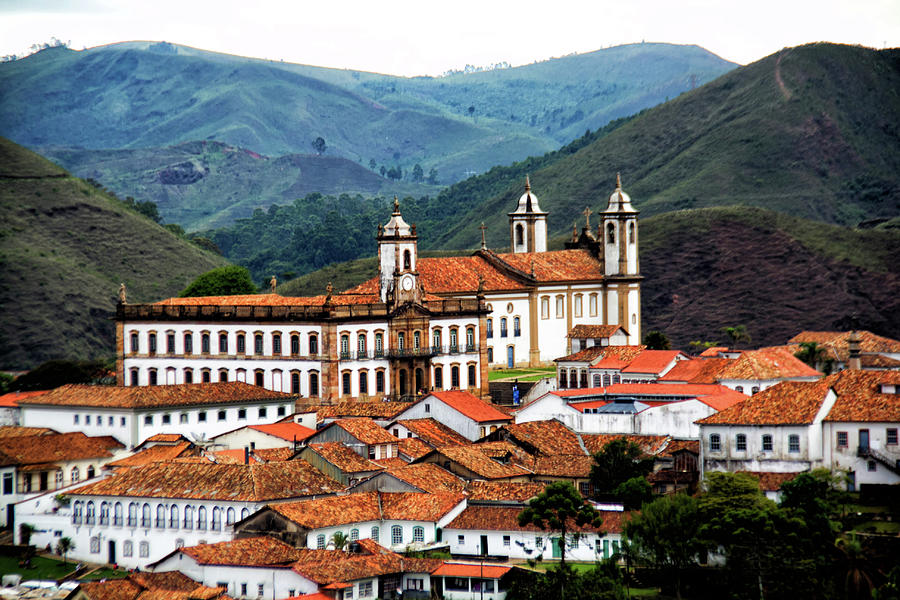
260,551
563,466
605,357
503,491
150,586
583,332
8,431
786,403
767,363
165,438
235,482
11,400
369,506
638,390
837,340
433,432
155,396
480,571
769,481
155,454
650,444
696,370
714,351
414,448
372,409
365,430
55,448
652,361
273,300
344,458
334,574
860,398
428,477
475,460
286,430
470,405
556,266
546,437
505,518
274,454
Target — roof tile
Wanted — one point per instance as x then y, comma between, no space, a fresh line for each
154,396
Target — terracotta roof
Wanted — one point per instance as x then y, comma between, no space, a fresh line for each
151,586
687,390
155,454
563,466
272,300
55,448
650,444
476,461
714,351
768,363
585,355
860,398
232,456
583,332
469,405
504,450
454,274
480,571
428,477
414,448
8,431
605,357
769,481
546,437
678,445
503,491
344,458
558,265
260,551
274,454
155,396
696,370
334,574
165,438
652,361
369,506
785,403
391,463
365,430
837,340
433,432
372,409
505,518
234,482
723,399
11,400
286,430
878,361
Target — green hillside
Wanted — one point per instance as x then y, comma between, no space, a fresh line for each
710,268
812,131
155,95
64,249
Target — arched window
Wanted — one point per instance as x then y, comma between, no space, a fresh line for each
454,377
610,233
229,516
223,375
188,517
188,343
276,344
379,382
520,234
739,388
560,307
145,515
363,383
204,343
592,305
135,342
117,514
438,378
205,376
151,343
173,517
361,345
295,344
490,355
346,388
354,534
245,512
257,343
407,260
132,514
160,516
90,469
418,534
241,343
295,382
631,232
489,329
379,345
402,382
417,339
134,377
545,307
259,378
320,541
77,509
345,346
144,549
470,339
396,535
128,548
376,532
314,384
75,475
216,519
313,344
401,341
104,513
517,326
472,379
436,340
189,376
503,328
563,379
454,344
89,514
223,343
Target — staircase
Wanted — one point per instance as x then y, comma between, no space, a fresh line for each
893,465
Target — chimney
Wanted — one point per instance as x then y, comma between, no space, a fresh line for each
246,455
853,346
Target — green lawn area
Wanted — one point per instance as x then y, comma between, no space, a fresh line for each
879,527
42,568
105,574
535,374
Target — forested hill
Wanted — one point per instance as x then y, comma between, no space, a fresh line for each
65,247
812,131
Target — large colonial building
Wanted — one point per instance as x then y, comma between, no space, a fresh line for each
429,324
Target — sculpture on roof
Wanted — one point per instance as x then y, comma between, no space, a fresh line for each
123,298
273,283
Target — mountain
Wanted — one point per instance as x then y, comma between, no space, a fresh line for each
155,95
811,131
65,247
710,268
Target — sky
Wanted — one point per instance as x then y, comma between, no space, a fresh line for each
416,37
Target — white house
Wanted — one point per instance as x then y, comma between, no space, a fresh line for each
756,370
362,435
133,414
467,581
464,413
847,421
285,434
139,515
874,352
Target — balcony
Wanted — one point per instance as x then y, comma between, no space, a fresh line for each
132,521
104,520
173,523
161,522
76,519
117,521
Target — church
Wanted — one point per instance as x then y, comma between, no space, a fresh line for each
421,324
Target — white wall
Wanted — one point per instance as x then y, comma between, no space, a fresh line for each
432,407
846,458
250,438
521,542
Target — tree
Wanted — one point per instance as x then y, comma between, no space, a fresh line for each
657,340
224,281
737,334
417,173
55,373
664,535
432,176
25,532
815,356
64,546
318,145
372,164
560,508
616,463
340,540
698,346
634,492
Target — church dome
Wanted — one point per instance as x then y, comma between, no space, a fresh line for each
619,201
397,227
528,202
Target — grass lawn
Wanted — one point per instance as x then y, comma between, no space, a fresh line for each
42,568
535,374
105,574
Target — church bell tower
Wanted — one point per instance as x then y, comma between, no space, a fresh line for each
528,224
617,235
398,257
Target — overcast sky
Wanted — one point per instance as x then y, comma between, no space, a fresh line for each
422,37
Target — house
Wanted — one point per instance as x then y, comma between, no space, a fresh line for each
874,352
597,366
138,515
269,435
586,336
464,413
430,431
379,411
677,468
133,414
756,370
541,438
494,531
157,453
363,436
472,462
467,581
9,406
399,520
422,477
848,420
33,465
339,462
501,492
147,586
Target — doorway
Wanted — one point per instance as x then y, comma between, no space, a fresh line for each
510,356
112,552
484,545
863,440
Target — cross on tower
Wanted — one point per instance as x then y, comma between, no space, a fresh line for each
482,228
587,216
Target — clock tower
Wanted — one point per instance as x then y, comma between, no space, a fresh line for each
397,255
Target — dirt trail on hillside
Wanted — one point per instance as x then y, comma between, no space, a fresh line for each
784,91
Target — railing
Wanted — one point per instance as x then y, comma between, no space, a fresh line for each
132,521
145,522
89,520
173,523
201,525
868,452
76,519
104,520
117,521
188,524
161,522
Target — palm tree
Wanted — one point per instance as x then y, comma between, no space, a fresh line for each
813,354
857,570
737,334
340,540
64,546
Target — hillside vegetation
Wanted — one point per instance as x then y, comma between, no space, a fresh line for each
65,247
812,131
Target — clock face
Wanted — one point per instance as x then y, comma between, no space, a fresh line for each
407,283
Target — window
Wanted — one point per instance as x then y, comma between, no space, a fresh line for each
89,513
472,379
365,589
134,377
151,343
152,376
276,344
295,344
243,589
258,378
363,383
132,514
241,343
418,534
95,545
545,307
313,344
135,342
314,384
592,305
794,443
379,345
201,518
145,515
470,339
87,419
345,346
216,519
166,419
128,548
871,466
263,411
205,376
560,307
75,419
242,413
260,589
539,542
346,389
610,233
631,232
173,517
354,534
189,376
222,415
204,343
489,329
577,307
740,443
223,343
160,516
454,376
453,341
842,439
490,355
396,535
517,327
188,343
144,549
564,380
767,442
320,542
295,389
461,540
379,382
739,388
361,345
188,517
183,418
503,333
520,234
258,343
417,339
376,532
117,514
401,341
715,442
891,436
506,540
201,416
439,378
